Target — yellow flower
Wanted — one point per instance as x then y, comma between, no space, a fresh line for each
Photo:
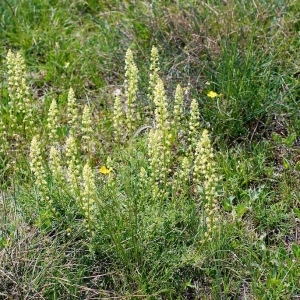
104,170
213,94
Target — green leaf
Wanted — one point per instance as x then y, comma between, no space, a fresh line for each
286,164
3,241
227,204
276,138
241,209
297,212
200,189
282,252
273,282
297,166
289,140
296,250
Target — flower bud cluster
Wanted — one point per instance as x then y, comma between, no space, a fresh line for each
131,88
205,175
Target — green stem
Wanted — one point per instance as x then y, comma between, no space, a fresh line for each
10,8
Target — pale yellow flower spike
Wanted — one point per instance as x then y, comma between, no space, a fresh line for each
178,107
154,73
118,118
88,194
37,166
20,102
72,111
52,122
159,142
36,162
131,87
205,176
55,164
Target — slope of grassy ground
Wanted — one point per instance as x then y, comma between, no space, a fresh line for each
140,245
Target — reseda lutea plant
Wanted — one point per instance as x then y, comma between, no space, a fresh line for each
179,159
157,187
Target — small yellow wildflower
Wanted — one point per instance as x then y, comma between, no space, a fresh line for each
104,170
213,94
